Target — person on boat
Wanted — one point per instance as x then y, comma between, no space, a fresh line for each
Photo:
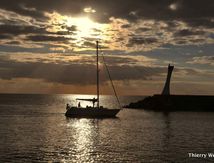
67,106
93,102
79,105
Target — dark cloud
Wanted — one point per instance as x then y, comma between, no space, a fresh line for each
143,29
23,7
13,42
69,28
70,73
207,60
201,22
5,36
76,73
11,48
119,60
89,44
66,74
44,38
126,26
198,13
141,40
8,30
120,39
187,32
189,11
18,30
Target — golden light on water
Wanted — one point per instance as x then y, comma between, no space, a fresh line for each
83,139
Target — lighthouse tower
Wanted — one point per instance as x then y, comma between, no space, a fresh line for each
166,89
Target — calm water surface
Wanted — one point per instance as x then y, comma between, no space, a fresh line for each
33,128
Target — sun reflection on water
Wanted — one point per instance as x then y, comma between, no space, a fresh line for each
83,137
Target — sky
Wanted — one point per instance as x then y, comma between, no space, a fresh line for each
48,46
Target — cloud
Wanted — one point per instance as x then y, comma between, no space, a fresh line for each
67,69
23,8
128,31
44,38
71,28
141,40
5,36
19,30
159,10
81,70
208,60
89,44
187,32
135,25
89,10
126,26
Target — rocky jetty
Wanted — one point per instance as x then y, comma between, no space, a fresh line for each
175,103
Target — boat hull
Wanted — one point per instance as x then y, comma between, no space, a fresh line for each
91,112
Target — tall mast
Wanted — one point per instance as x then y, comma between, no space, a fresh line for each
98,105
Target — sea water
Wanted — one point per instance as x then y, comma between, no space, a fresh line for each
33,128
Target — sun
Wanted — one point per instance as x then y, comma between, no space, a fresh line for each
78,28
85,26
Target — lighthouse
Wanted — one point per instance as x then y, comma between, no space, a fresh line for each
166,89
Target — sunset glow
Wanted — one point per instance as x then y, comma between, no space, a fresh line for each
78,28
53,44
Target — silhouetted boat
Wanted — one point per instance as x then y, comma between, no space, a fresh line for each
93,111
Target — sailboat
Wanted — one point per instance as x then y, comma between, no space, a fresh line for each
95,111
